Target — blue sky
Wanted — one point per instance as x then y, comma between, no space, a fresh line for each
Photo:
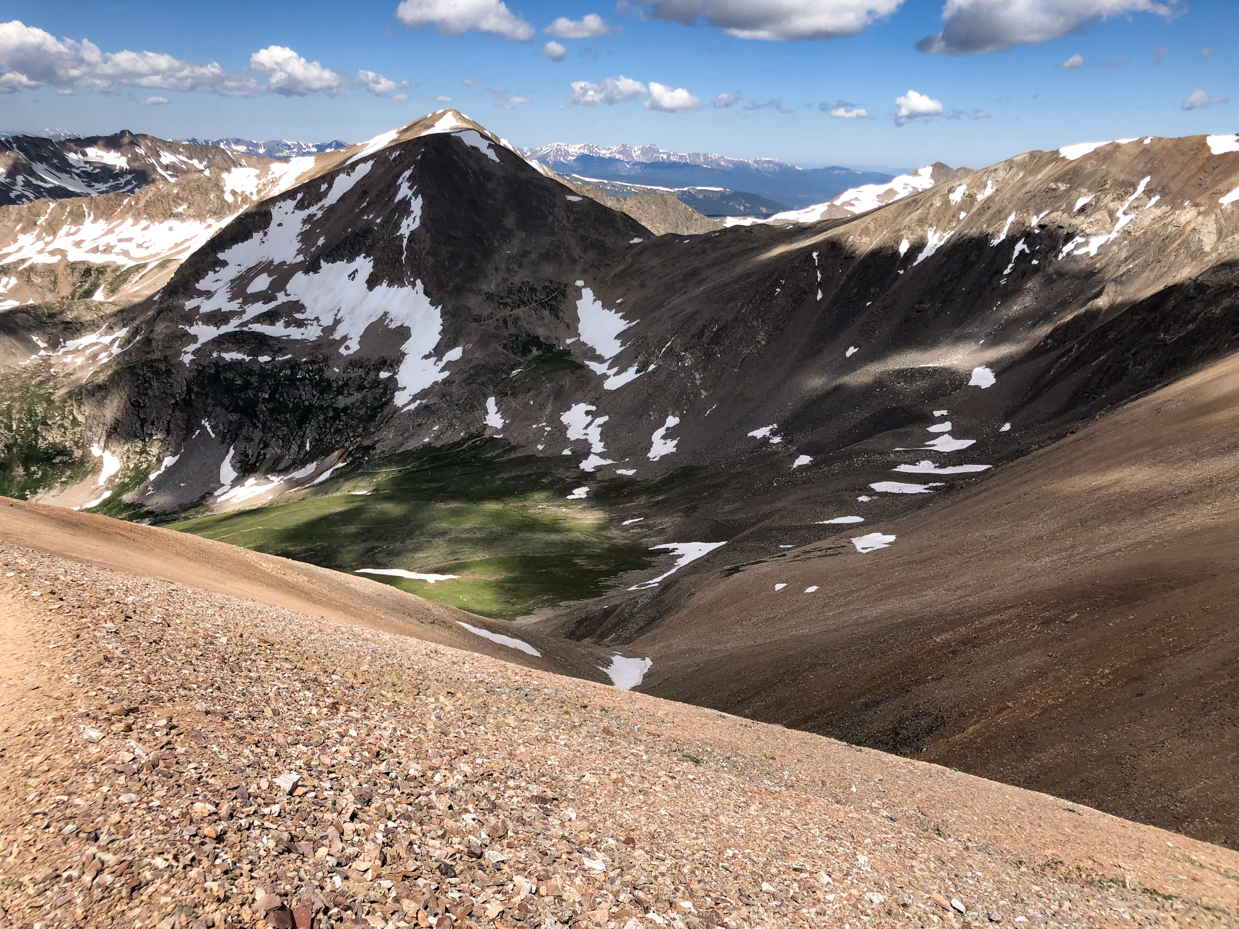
997,76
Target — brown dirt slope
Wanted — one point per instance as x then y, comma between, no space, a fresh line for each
171,757
226,569
1067,624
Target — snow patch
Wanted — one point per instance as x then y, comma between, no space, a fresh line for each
898,487
842,521
580,493
928,467
408,575
507,640
1080,149
685,552
872,542
1223,144
982,377
111,464
627,673
933,241
660,445
493,417
801,461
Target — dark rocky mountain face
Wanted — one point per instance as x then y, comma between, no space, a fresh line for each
433,360
36,168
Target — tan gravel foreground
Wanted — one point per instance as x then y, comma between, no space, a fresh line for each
175,757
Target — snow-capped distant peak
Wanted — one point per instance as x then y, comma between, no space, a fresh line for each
274,148
565,153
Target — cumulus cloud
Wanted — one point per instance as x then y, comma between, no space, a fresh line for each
1075,61
671,99
380,86
1199,98
915,107
844,109
30,58
611,91
774,20
443,98
456,17
290,75
979,26
724,101
554,51
589,26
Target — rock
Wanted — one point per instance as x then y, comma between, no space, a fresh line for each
994,917
940,900
303,916
287,782
956,905
128,798
267,902
875,898
91,734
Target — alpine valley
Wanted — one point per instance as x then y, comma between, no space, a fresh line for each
941,465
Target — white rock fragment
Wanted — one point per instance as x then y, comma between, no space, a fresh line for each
288,782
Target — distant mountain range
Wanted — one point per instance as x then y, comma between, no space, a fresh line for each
272,148
783,185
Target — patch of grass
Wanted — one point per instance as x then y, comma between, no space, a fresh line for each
499,522
40,438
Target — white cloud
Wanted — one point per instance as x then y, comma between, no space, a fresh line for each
456,17
290,75
1198,98
915,107
980,26
613,90
380,86
152,101
589,26
1075,61
671,99
774,20
554,51
723,101
443,98
30,58
844,110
